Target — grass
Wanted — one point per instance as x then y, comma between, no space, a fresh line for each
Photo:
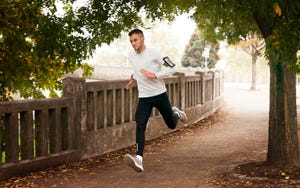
19,157
2,156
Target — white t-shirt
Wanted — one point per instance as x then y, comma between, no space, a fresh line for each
151,60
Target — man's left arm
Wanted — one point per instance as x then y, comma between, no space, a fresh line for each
169,69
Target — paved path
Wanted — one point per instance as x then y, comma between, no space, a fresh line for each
195,157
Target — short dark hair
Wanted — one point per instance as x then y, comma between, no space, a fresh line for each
135,31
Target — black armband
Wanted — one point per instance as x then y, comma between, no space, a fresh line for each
168,62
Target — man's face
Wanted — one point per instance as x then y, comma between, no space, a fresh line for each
137,42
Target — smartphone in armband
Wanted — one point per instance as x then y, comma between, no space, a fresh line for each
168,62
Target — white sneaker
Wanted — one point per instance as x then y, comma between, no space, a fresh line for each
134,162
181,114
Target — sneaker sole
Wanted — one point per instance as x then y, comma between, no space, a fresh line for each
128,159
185,119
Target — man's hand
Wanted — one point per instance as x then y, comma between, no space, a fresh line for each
148,74
131,83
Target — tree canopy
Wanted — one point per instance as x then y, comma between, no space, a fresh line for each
277,21
37,47
38,44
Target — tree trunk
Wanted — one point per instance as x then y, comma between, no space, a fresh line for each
283,137
253,81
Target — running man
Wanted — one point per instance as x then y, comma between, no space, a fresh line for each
148,76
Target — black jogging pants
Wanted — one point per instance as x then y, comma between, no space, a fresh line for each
144,108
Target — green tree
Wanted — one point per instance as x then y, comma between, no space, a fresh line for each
277,22
193,55
38,45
